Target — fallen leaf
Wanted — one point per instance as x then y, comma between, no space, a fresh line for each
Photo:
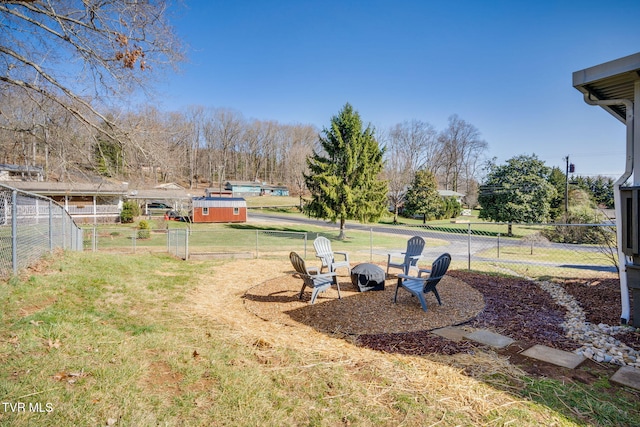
195,354
54,344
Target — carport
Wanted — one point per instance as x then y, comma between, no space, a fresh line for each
615,86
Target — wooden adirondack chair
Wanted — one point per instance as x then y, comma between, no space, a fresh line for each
410,257
322,245
311,277
420,286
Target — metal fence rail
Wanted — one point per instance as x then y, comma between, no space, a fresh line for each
478,246
31,226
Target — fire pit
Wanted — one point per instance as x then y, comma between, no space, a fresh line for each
368,277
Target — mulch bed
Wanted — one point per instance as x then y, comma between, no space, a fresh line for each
513,307
519,309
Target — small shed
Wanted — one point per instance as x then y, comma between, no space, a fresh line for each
219,209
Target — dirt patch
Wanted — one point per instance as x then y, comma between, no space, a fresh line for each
163,380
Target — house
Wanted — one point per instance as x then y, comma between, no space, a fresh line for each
219,209
216,192
274,190
94,202
450,193
173,195
254,188
244,188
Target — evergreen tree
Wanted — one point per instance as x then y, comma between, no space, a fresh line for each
423,197
344,178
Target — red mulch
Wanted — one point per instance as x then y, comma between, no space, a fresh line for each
519,309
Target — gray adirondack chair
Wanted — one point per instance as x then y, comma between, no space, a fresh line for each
322,245
410,257
311,277
419,286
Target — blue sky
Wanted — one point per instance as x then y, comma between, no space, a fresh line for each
503,66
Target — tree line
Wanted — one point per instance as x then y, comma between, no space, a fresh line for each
71,66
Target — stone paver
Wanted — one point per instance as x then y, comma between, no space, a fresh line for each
452,333
627,376
555,356
489,338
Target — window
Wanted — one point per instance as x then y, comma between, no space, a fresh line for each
236,211
205,211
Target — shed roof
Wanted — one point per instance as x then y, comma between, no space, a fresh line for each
219,202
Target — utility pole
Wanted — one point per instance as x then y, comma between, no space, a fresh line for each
570,168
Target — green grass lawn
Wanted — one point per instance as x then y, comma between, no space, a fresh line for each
104,339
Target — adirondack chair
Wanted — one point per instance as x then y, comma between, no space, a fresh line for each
420,286
322,245
312,278
410,257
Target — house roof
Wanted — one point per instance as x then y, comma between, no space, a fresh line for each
608,81
69,188
21,168
244,183
159,194
450,193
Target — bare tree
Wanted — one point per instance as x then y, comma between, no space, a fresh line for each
461,147
411,146
223,132
118,43
416,143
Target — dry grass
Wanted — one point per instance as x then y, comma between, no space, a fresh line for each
442,383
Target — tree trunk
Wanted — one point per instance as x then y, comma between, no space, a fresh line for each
342,235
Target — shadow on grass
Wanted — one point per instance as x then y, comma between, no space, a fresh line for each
311,235
266,228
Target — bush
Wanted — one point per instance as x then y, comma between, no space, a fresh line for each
577,234
144,229
451,208
130,210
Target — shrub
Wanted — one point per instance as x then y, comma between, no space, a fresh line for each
144,229
577,234
130,210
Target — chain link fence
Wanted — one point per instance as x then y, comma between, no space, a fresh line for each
534,250
30,227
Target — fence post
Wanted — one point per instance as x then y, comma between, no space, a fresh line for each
94,245
50,226
305,244
257,256
14,231
186,244
371,244
64,233
469,246
498,245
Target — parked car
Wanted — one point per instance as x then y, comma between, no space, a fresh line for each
172,215
158,205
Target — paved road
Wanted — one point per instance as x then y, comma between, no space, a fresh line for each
459,245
